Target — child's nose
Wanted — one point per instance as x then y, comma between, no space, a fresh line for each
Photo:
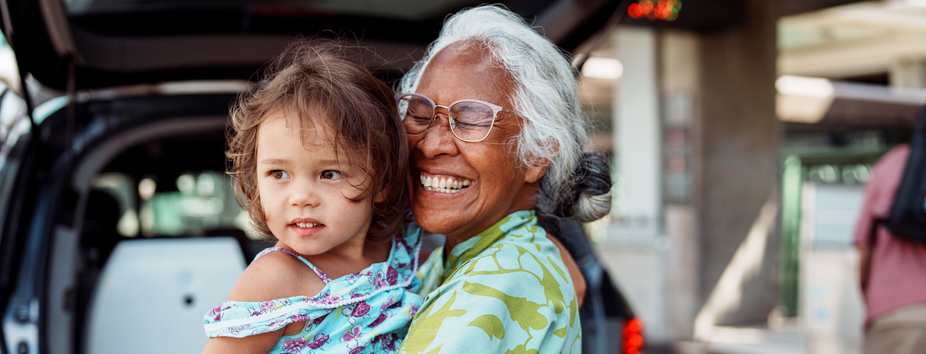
304,195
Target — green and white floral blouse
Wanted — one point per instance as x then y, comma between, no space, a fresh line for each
505,290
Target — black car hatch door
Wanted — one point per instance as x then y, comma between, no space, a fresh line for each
117,43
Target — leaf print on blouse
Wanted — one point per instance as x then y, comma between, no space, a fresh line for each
491,325
522,311
425,327
551,287
512,269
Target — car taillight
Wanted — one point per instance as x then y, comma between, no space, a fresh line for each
633,337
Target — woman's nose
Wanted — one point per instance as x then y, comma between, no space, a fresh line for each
438,139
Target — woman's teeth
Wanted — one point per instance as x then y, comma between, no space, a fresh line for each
445,185
306,224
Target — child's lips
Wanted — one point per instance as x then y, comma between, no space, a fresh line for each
306,229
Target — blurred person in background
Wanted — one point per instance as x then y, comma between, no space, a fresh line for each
893,270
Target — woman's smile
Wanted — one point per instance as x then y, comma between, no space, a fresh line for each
444,184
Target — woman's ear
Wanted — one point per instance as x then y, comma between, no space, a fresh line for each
536,170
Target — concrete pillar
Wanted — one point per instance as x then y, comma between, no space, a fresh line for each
634,249
680,77
639,136
735,155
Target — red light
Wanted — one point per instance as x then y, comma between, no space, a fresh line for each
646,7
635,11
633,326
660,11
633,337
635,340
655,9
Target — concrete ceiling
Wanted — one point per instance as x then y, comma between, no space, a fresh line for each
852,40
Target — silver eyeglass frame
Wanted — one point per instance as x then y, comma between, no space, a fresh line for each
450,122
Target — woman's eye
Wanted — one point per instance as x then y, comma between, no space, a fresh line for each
278,174
329,174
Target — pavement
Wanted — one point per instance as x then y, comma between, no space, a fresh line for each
741,340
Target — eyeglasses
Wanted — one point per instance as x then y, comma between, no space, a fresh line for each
470,120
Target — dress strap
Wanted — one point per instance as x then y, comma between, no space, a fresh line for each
324,277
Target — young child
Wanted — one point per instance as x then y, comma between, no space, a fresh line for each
320,160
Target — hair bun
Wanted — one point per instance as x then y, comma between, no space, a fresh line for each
590,198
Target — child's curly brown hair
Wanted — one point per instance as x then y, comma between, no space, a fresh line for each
318,76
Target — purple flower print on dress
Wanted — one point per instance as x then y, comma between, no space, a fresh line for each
388,303
318,341
354,334
217,312
294,345
382,313
380,280
299,318
356,350
392,276
267,306
330,299
389,341
382,317
404,243
360,309
412,311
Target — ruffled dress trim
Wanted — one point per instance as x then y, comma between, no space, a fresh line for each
240,318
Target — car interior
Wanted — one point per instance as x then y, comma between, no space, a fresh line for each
161,240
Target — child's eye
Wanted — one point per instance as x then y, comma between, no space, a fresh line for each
330,174
278,174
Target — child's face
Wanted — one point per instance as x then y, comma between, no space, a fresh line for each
304,191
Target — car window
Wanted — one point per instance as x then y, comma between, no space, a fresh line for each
196,203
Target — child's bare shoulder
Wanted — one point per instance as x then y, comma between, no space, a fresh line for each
276,275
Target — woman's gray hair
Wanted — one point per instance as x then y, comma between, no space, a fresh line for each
547,96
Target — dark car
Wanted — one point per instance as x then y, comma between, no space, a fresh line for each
118,226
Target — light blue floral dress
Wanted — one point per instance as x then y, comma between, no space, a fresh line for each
365,312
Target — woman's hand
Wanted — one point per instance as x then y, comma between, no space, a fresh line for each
578,281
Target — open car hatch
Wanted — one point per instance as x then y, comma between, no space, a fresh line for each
117,43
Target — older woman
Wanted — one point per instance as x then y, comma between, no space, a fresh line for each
495,133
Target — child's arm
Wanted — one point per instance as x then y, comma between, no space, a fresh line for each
274,275
260,343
